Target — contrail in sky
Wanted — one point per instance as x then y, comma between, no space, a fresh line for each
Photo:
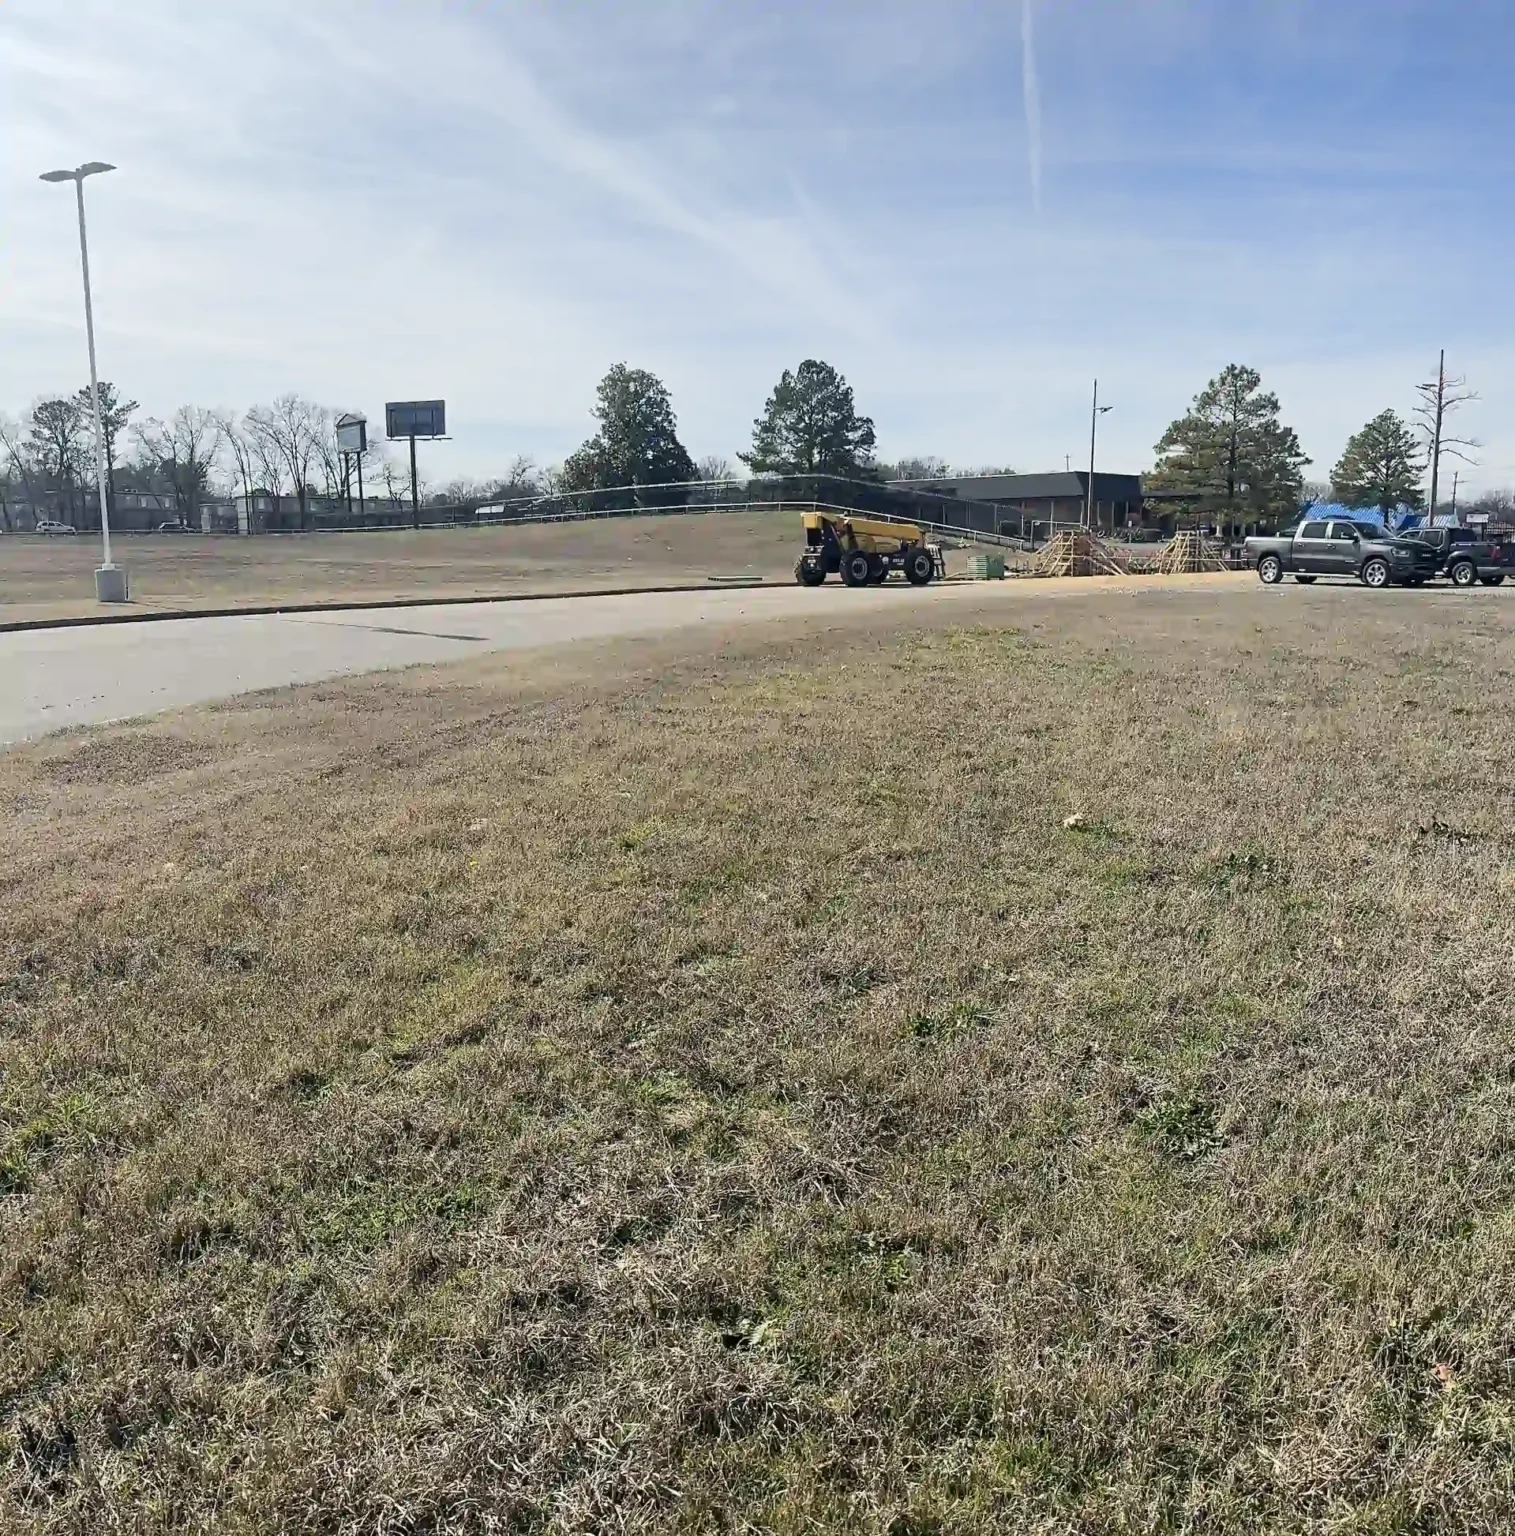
1031,94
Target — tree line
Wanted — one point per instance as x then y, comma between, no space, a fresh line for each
1230,456
287,449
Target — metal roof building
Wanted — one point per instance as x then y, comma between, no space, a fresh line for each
1055,498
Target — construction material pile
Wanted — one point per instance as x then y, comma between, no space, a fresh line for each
1186,554
1078,554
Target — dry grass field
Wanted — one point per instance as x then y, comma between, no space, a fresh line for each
53,578
1052,1078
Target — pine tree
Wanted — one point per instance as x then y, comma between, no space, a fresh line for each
1381,467
1231,453
638,441
810,426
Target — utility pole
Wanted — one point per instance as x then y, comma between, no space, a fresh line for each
1098,411
1439,414
1456,477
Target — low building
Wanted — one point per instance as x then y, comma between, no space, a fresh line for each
1028,504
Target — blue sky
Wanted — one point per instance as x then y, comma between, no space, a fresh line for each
493,202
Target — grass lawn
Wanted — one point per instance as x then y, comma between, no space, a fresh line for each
53,577
1051,1078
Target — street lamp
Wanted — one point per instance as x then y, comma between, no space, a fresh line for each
110,579
1099,410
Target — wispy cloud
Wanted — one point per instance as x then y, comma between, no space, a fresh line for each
498,205
1031,96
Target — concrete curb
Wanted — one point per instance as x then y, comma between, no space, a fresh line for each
95,620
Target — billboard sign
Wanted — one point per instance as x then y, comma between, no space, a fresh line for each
416,418
352,434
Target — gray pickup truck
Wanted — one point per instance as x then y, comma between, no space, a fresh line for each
1339,547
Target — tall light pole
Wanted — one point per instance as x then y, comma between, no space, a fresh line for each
1099,410
110,579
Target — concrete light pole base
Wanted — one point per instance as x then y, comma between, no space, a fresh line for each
110,584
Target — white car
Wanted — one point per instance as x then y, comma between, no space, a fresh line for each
48,526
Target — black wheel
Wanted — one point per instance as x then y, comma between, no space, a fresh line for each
1496,580
878,571
856,568
1463,574
810,573
1270,570
919,567
1375,572
1304,581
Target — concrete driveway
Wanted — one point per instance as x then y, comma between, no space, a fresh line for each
54,678
51,679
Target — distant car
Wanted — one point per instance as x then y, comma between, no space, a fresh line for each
173,528
46,526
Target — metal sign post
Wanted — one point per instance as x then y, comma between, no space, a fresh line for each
352,444
406,420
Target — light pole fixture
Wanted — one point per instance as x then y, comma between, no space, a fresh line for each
110,579
1099,410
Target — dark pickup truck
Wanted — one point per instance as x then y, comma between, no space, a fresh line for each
1464,557
1339,547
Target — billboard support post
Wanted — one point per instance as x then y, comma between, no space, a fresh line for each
406,420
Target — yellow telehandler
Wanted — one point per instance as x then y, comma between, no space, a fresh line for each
863,553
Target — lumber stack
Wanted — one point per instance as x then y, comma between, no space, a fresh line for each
1077,553
1188,553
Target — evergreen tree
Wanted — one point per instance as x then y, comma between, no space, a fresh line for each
115,413
1231,453
638,441
1381,467
810,426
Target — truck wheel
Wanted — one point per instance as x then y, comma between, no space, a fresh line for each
919,567
878,571
1374,573
856,568
810,573
1304,581
1463,574
1496,580
1270,570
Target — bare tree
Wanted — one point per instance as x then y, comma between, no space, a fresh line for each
714,467
17,466
1440,398
238,445
920,466
58,440
291,432
396,481
183,449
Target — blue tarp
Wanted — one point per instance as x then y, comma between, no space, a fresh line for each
1397,521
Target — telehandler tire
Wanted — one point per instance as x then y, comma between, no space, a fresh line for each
919,567
809,573
856,568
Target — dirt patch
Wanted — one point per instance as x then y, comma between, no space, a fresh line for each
120,758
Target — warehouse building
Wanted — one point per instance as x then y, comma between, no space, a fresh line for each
1026,505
